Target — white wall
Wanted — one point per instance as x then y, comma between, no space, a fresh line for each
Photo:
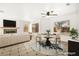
78,18
20,25
64,12
30,12
48,22
12,12
1,25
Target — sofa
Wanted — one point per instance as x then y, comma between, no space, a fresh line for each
11,39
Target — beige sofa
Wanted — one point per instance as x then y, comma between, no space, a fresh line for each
10,39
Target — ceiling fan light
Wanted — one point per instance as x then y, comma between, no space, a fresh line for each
48,13
67,4
54,14
51,11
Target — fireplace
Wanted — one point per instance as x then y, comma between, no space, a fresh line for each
10,31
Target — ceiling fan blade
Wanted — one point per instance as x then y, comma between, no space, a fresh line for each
53,14
43,14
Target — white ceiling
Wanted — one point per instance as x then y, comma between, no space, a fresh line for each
32,11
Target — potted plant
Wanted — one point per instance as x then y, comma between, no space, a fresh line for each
73,33
48,31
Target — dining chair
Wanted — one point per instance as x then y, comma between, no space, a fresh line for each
57,42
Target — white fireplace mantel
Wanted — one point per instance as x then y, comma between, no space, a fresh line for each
9,27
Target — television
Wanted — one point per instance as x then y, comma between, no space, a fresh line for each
9,23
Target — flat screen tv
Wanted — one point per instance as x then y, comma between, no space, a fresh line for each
9,23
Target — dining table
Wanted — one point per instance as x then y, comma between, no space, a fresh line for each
48,43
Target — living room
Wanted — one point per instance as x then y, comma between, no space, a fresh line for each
26,27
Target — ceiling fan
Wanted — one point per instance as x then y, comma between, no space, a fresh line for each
48,13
